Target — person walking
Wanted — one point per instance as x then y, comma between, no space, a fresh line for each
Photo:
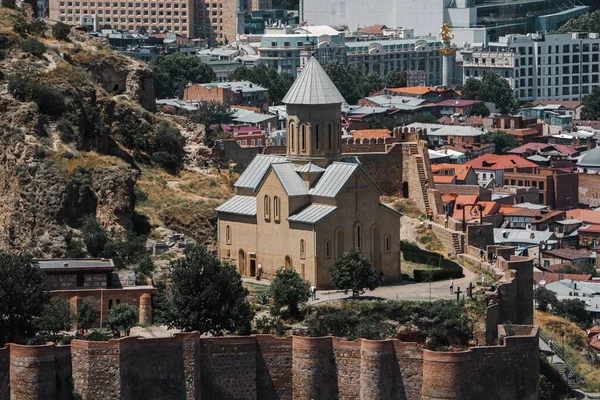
446,222
482,279
481,254
313,292
451,287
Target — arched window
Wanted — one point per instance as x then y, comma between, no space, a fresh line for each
358,236
317,138
228,234
388,243
327,249
276,208
330,136
292,136
267,207
302,249
303,138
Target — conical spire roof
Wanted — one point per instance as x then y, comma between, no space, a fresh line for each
313,87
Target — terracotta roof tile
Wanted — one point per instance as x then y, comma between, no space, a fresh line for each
495,161
551,277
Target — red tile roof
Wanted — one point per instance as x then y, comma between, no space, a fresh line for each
494,161
589,216
590,229
460,170
373,29
569,254
571,105
457,103
535,147
551,277
444,178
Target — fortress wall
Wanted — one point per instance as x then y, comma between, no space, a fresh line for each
379,371
347,356
409,357
4,372
64,371
313,369
446,375
273,368
228,367
386,169
32,372
96,368
524,281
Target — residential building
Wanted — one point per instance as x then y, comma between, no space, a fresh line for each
256,22
572,108
540,67
241,93
153,16
440,135
589,236
528,219
304,209
455,174
490,167
544,149
245,116
559,189
565,255
244,135
429,93
97,282
569,288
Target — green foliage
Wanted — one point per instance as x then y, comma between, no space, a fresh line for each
579,269
373,83
348,80
167,147
9,3
22,296
61,31
588,22
262,299
396,78
38,27
267,77
383,122
447,269
493,89
574,310
212,112
66,131
269,326
352,271
509,328
174,71
480,109
33,46
55,317
545,298
552,383
423,118
207,295
49,99
502,140
122,316
289,290
98,336
94,237
86,316
591,103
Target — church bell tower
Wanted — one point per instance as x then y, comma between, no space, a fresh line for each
314,124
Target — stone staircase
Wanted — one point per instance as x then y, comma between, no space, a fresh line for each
422,179
562,370
456,243
413,149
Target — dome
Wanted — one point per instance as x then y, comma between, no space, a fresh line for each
590,159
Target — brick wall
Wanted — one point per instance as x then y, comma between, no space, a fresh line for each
4,371
589,189
262,367
480,235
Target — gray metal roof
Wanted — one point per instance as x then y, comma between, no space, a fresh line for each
310,168
334,179
255,172
291,181
313,86
87,263
523,236
239,205
312,214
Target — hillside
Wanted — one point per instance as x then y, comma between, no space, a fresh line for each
79,136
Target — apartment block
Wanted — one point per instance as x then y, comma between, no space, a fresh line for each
540,67
154,16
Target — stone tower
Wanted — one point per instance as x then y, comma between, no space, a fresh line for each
314,125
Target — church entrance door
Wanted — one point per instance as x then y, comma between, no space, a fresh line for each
252,267
242,262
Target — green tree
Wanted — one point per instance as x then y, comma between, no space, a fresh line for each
173,72
207,295
373,83
94,237
396,78
348,81
61,31
38,27
545,298
423,118
289,290
573,310
352,271
122,316
86,316
22,296
480,109
167,147
277,83
493,89
503,141
55,317
212,112
588,22
591,105
579,269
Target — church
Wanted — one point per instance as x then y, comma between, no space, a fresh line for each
304,209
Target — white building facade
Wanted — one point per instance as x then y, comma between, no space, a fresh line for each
540,67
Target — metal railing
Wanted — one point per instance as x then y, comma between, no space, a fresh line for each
569,371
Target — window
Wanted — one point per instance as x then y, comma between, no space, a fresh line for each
317,138
302,249
276,208
303,138
267,208
388,243
228,234
330,136
292,136
327,249
80,280
358,236
541,185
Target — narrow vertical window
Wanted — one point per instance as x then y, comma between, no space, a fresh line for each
317,138
267,207
228,234
358,243
276,208
327,249
303,138
302,249
388,244
292,136
330,136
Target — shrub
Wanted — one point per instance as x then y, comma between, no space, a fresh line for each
122,316
352,271
49,99
289,290
267,325
33,46
61,31
66,131
37,27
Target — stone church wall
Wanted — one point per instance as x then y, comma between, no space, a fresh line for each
263,367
